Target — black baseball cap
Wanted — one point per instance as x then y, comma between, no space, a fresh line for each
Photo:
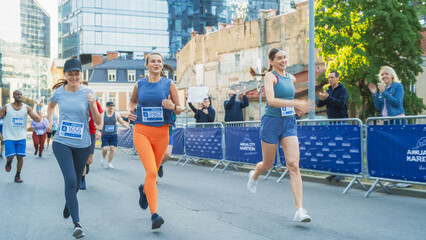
110,103
72,65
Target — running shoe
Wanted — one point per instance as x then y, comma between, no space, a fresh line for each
143,202
103,161
251,184
109,165
402,185
83,184
160,171
301,216
35,153
8,166
156,220
18,179
1,155
78,231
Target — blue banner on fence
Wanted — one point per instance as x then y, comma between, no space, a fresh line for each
178,141
397,152
334,148
125,138
204,142
243,144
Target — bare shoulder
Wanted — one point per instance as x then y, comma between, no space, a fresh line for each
292,77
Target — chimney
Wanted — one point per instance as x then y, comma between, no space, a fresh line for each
238,21
194,34
270,13
97,59
112,55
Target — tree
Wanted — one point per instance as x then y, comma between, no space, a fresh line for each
357,37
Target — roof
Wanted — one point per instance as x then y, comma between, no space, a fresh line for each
424,42
129,64
301,85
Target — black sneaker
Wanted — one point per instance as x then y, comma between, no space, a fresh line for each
35,153
18,179
156,220
8,166
329,178
78,231
143,202
160,171
66,213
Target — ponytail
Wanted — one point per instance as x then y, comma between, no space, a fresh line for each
61,82
271,56
168,68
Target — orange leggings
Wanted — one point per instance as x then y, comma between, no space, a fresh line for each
151,144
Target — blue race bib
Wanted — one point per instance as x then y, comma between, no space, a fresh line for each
109,128
152,114
17,121
287,111
71,129
39,132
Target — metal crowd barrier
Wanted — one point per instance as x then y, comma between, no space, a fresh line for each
331,146
179,132
125,140
396,150
204,140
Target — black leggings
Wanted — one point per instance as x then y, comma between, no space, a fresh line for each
72,161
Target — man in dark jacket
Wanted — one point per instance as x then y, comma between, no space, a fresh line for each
335,98
205,112
233,107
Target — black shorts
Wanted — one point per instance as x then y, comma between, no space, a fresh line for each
51,134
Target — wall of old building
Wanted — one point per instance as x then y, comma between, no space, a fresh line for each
221,59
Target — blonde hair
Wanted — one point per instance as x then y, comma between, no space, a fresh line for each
391,71
61,82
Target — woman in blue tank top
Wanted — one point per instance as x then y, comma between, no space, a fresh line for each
153,100
278,125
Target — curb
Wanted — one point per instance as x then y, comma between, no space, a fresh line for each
407,192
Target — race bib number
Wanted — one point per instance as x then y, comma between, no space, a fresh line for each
39,132
71,130
152,114
287,111
17,121
109,128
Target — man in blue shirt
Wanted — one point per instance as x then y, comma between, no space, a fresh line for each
233,107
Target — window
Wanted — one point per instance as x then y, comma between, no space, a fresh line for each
112,97
131,75
111,75
98,37
98,19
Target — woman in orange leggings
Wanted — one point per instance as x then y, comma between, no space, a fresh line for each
153,100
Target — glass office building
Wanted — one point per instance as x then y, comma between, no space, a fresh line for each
255,5
24,49
100,26
192,15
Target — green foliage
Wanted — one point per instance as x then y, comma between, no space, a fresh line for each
356,38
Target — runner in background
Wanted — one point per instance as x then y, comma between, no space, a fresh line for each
39,134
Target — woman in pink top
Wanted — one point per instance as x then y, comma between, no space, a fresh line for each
39,134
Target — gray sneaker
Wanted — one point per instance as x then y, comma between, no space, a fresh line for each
251,184
301,216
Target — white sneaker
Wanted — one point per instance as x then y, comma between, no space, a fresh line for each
109,165
103,161
301,216
251,184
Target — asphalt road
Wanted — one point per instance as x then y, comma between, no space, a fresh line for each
195,204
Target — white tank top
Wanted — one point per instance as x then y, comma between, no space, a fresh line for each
15,123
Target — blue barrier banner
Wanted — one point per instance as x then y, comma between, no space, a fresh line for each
125,138
397,152
334,148
178,141
204,142
243,144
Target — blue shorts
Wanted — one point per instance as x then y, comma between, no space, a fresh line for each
109,140
12,148
171,139
273,129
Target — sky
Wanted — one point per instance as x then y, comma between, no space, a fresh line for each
51,6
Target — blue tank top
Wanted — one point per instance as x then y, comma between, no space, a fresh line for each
149,110
284,89
110,123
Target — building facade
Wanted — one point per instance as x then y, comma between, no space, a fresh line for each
99,26
186,16
24,50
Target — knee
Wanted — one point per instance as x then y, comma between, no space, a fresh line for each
70,185
167,155
151,175
268,165
293,166
112,149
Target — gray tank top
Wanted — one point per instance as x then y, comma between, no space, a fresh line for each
110,127
15,123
